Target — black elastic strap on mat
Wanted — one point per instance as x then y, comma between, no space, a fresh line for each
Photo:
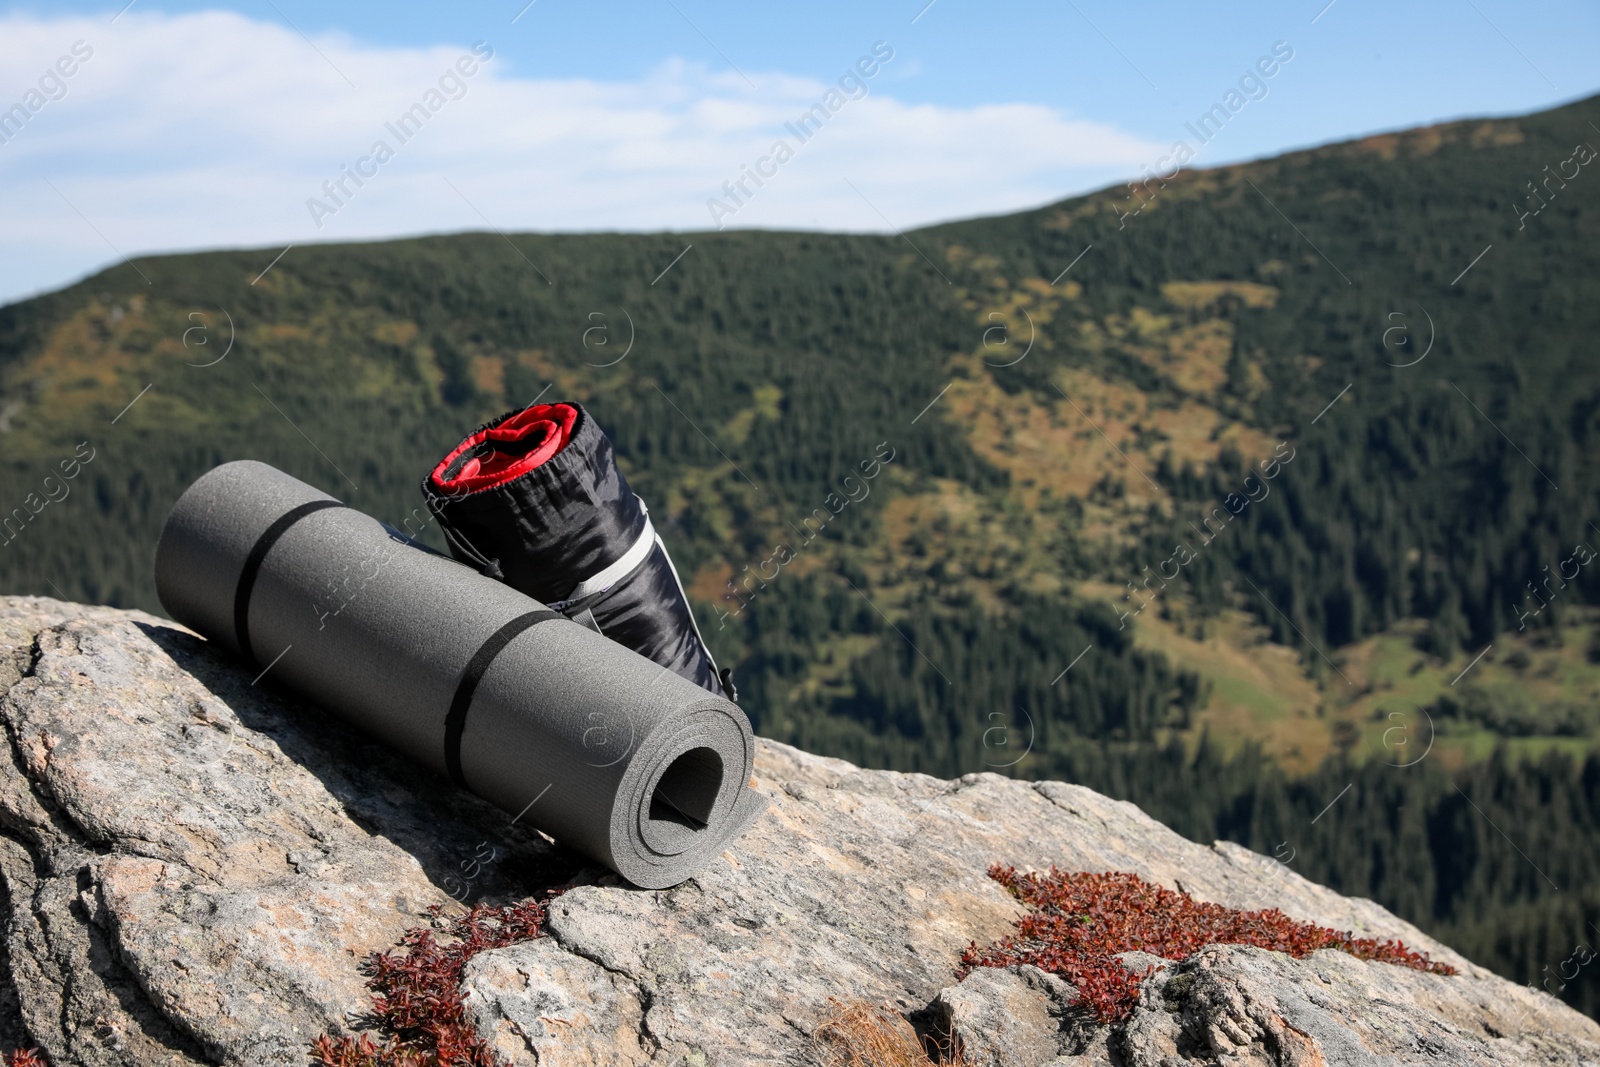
455,723
252,568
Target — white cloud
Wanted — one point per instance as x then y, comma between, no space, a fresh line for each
212,130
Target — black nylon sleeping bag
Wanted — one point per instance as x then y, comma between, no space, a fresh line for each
534,498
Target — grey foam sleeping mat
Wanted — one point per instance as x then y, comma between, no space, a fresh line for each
595,745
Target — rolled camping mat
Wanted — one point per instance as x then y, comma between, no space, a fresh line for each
607,752
535,499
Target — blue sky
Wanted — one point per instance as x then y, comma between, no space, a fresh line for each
191,128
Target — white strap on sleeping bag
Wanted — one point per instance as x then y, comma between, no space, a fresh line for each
604,579
637,554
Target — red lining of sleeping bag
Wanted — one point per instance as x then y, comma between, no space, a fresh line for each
553,422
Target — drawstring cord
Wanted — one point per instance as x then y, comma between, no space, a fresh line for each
459,543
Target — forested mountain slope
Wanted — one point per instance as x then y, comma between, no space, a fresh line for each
1206,492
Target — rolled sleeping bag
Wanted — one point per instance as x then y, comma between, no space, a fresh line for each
535,499
607,752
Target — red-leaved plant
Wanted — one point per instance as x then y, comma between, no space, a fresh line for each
23,1057
1079,922
416,992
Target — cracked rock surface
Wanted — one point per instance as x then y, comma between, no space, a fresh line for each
194,866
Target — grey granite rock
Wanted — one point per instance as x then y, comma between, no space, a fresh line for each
998,1017
1231,1004
193,867
538,1003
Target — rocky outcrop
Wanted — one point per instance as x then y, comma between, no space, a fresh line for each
194,866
